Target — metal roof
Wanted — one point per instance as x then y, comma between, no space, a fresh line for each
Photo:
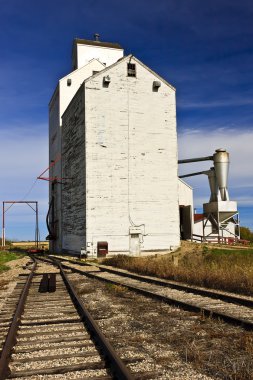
199,217
113,45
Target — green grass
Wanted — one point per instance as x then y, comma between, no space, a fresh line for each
6,256
228,251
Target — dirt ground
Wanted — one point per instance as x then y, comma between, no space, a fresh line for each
176,344
8,279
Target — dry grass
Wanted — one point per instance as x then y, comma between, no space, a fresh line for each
3,283
118,290
218,268
225,356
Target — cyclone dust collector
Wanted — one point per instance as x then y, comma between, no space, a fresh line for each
219,211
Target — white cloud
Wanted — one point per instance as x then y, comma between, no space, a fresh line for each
237,143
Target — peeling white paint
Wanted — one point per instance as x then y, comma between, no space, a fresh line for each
130,156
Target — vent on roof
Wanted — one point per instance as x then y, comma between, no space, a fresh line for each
69,81
107,79
96,36
131,70
156,83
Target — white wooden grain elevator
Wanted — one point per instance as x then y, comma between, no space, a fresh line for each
113,154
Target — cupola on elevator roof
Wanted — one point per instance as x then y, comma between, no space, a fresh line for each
85,50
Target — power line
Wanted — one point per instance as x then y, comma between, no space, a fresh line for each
30,190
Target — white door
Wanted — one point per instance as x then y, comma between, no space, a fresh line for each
134,244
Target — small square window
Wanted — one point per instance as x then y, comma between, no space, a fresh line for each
131,70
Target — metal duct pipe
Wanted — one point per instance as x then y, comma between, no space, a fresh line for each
193,174
212,182
221,165
188,160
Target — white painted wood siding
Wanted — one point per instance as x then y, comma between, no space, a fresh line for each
59,102
55,171
185,194
77,77
104,54
73,168
131,160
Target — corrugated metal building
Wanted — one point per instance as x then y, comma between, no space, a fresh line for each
113,125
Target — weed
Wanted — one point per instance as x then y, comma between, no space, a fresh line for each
118,289
3,268
5,257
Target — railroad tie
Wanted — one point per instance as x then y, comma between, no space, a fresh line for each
43,288
52,283
48,283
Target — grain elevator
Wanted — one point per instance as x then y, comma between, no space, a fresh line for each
113,155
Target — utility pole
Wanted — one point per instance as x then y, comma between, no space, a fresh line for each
3,230
35,209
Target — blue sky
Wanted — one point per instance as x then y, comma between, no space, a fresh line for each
203,48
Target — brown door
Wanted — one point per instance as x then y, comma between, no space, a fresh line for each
185,222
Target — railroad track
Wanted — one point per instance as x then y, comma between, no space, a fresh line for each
10,305
51,333
48,336
231,308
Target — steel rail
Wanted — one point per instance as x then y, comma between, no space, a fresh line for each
188,289
118,368
12,333
243,301
247,325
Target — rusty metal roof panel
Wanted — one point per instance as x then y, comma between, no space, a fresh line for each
199,217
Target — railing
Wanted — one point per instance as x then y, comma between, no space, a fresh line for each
219,239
